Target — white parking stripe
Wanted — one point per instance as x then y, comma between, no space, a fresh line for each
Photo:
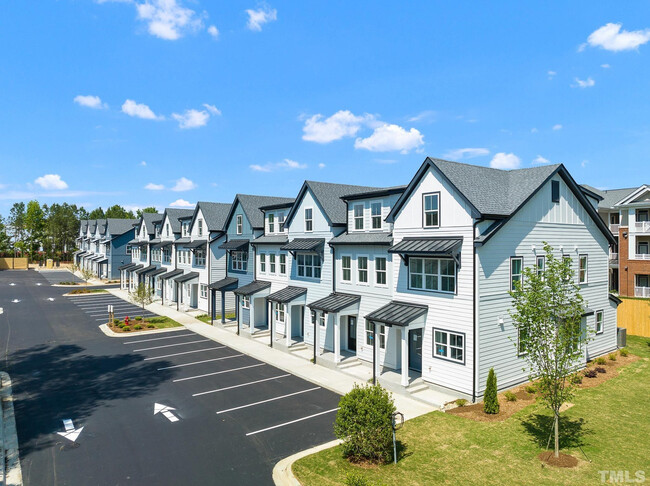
219,372
123,304
269,400
121,313
157,339
243,384
292,422
186,352
170,345
200,362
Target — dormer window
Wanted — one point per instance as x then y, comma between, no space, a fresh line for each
358,216
240,224
375,214
200,227
309,222
271,223
431,214
281,222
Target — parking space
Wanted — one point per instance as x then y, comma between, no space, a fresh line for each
96,307
255,397
58,276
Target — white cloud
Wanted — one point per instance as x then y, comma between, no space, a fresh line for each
154,187
167,19
212,109
505,161
286,164
181,203
426,115
584,163
611,38
184,184
557,127
468,153
341,124
391,137
51,181
90,101
213,31
605,66
261,16
321,166
139,110
541,160
586,83
143,163
192,118
551,74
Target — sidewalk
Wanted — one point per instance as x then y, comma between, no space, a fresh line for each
10,471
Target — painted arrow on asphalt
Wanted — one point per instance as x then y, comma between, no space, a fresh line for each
166,411
15,301
70,432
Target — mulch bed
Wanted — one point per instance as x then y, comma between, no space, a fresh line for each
506,408
565,460
142,323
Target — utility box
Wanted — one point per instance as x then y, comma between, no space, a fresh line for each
621,337
50,263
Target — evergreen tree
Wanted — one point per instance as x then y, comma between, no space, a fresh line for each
490,401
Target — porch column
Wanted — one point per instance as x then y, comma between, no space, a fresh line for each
269,319
337,339
405,360
251,315
223,309
322,351
287,324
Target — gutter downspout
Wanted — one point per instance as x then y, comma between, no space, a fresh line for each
474,311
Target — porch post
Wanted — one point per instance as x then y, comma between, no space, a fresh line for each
223,310
374,353
405,361
236,312
287,325
315,319
251,315
269,320
321,352
337,339
213,293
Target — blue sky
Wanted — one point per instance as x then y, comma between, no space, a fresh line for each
150,102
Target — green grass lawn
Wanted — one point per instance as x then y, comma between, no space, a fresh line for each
609,422
158,322
206,318
87,291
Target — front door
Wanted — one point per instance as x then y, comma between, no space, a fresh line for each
415,349
352,333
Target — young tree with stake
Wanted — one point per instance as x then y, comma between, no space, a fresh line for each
143,295
547,313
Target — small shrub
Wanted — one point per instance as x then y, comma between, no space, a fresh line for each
490,401
121,325
138,318
576,379
356,479
126,329
590,373
363,423
600,369
531,389
511,397
137,327
461,402
116,321
624,352
600,360
612,357
150,326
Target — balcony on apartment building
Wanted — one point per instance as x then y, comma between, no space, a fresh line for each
613,227
642,292
642,227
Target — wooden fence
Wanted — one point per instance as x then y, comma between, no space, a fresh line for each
634,315
13,263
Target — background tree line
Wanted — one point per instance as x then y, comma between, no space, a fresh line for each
41,231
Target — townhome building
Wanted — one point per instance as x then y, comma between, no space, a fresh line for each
105,246
174,232
234,292
89,232
627,212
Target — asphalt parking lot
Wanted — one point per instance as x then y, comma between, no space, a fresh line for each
95,306
57,276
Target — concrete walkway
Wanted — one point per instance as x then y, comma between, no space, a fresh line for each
10,471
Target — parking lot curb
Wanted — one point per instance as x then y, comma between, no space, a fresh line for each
282,473
110,333
11,473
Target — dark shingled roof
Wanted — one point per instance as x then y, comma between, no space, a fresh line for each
335,302
214,214
148,219
385,191
187,277
158,272
136,268
287,294
271,240
196,244
174,214
224,284
303,244
234,244
253,287
92,226
397,313
171,274
610,196
84,225
362,239
252,204
119,226
182,241
147,269
427,246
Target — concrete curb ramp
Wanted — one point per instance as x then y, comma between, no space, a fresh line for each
11,474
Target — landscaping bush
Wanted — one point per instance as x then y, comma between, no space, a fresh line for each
363,423
612,356
590,373
356,479
490,401
531,389
576,379
461,402
600,369
511,397
150,326
126,328
116,321
600,360
121,325
624,352
138,318
137,327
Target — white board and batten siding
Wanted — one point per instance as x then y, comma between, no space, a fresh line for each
450,312
570,230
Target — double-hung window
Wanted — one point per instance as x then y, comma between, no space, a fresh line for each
380,270
431,210
308,265
370,326
516,272
200,227
240,224
358,216
272,263
283,264
362,269
262,262
382,337
280,312
582,272
375,215
239,260
321,319
199,257
271,223
522,336
309,221
204,291
281,222
541,265
245,302
600,321
435,274
346,266
567,261
449,345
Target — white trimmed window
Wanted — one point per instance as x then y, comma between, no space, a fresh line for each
167,255
199,257
281,218
309,221
541,265
271,219
516,271
582,273
369,329
262,262
346,266
280,312
204,291
362,269
449,345
382,337
358,216
283,264
308,265
433,274
380,270
600,322
522,336
240,224
431,216
245,302
321,319
239,260
375,215
272,263
200,229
